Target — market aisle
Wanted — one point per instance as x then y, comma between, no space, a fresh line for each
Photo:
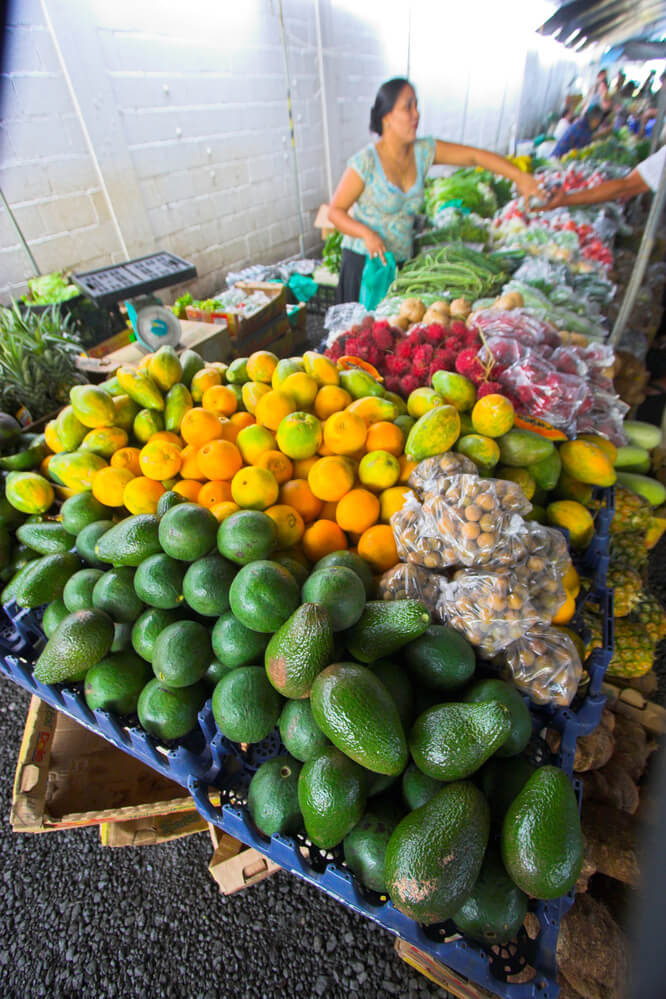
83,921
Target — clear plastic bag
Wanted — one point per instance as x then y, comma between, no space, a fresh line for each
491,609
417,540
340,318
545,665
545,392
411,582
518,324
430,476
542,569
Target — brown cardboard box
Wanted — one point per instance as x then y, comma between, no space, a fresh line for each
67,776
241,327
455,984
151,829
323,222
235,866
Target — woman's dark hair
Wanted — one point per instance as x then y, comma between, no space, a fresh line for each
385,100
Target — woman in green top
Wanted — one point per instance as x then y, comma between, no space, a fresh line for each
382,188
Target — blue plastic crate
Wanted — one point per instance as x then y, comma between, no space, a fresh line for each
12,641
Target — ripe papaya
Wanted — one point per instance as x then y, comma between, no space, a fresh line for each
433,433
104,441
587,463
76,469
164,368
140,387
178,402
29,492
69,429
92,405
373,409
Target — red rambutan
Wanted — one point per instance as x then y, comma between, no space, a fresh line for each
489,388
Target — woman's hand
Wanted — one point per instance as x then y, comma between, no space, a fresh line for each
375,245
557,199
527,185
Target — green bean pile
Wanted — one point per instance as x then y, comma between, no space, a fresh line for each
452,270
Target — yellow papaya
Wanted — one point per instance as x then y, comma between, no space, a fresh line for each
321,368
126,409
92,405
373,409
69,429
53,442
140,387
575,518
606,446
433,433
483,451
29,492
569,488
178,402
104,441
164,368
146,423
421,400
76,469
251,393
360,383
587,463
521,476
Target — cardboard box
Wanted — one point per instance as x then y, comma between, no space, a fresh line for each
323,222
212,341
68,776
151,829
241,326
261,338
235,866
455,984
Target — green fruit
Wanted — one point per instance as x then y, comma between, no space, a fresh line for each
10,517
418,788
272,797
114,683
654,492
332,792
49,538
235,645
146,423
521,722
365,848
29,458
405,422
237,371
131,541
451,741
80,640
86,543
542,841
297,569
483,451
182,653
641,434
114,594
126,412
78,592
435,854
454,389
520,448
246,536
187,531
206,585
633,459
122,636
148,626
399,685
351,561
263,595
45,579
167,500
178,402
299,650
357,713
547,471
10,431
245,706
5,548
191,362
501,780
81,510
440,659
360,383
159,581
9,592
384,627
53,615
168,713
496,908
29,492
69,429
340,591
300,734
214,673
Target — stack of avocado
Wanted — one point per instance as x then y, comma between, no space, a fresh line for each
396,747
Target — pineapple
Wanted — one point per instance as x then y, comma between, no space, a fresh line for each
634,650
629,549
627,586
632,512
651,615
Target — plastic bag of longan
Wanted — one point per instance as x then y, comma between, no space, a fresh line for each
543,568
492,609
430,476
418,540
545,665
480,520
411,582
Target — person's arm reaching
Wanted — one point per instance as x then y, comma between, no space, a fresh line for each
347,192
608,190
456,155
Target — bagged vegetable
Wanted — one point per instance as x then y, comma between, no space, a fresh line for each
492,609
417,540
545,665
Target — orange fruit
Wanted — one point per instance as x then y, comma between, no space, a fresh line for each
219,460
278,464
127,457
328,511
141,494
377,546
297,493
254,488
330,399
252,441
242,419
212,493
385,436
261,365
108,486
357,511
289,523
493,415
322,538
379,470
564,613
160,460
251,393
203,380
406,467
330,478
223,510
322,369
345,432
302,466
189,488
301,387
220,399
199,426
169,436
324,450
299,435
189,468
53,442
392,500
570,580
273,407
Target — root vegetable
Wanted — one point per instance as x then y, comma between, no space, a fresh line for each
412,309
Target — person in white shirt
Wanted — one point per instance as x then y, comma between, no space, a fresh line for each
563,123
645,177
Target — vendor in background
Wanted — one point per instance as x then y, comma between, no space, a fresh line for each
563,123
645,177
382,188
580,132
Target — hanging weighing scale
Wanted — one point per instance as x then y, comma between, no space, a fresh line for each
153,323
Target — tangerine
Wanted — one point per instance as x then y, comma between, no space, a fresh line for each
330,478
214,492
141,494
189,468
331,399
199,426
254,488
253,440
202,380
299,435
345,432
273,407
220,399
261,365
278,464
189,488
297,494
357,511
392,500
289,523
385,436
493,415
379,470
127,457
377,546
219,460
108,486
223,510
321,538
160,460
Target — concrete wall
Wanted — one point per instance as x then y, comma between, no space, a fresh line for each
134,126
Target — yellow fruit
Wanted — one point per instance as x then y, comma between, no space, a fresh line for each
373,409
189,488
160,460
575,518
252,441
251,393
587,463
330,478
141,495
261,365
104,441
126,410
202,380
301,387
391,500
254,488
331,399
285,367
223,510
53,442
109,484
220,399
76,469
92,406
169,437
422,400
299,435
321,368
379,470
272,407
345,432
29,492
493,415
147,423
566,611
289,524
69,429
127,458
213,493
138,385
165,369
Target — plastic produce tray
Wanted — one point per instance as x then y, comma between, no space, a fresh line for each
107,285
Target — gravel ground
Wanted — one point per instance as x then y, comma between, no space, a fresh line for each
81,920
